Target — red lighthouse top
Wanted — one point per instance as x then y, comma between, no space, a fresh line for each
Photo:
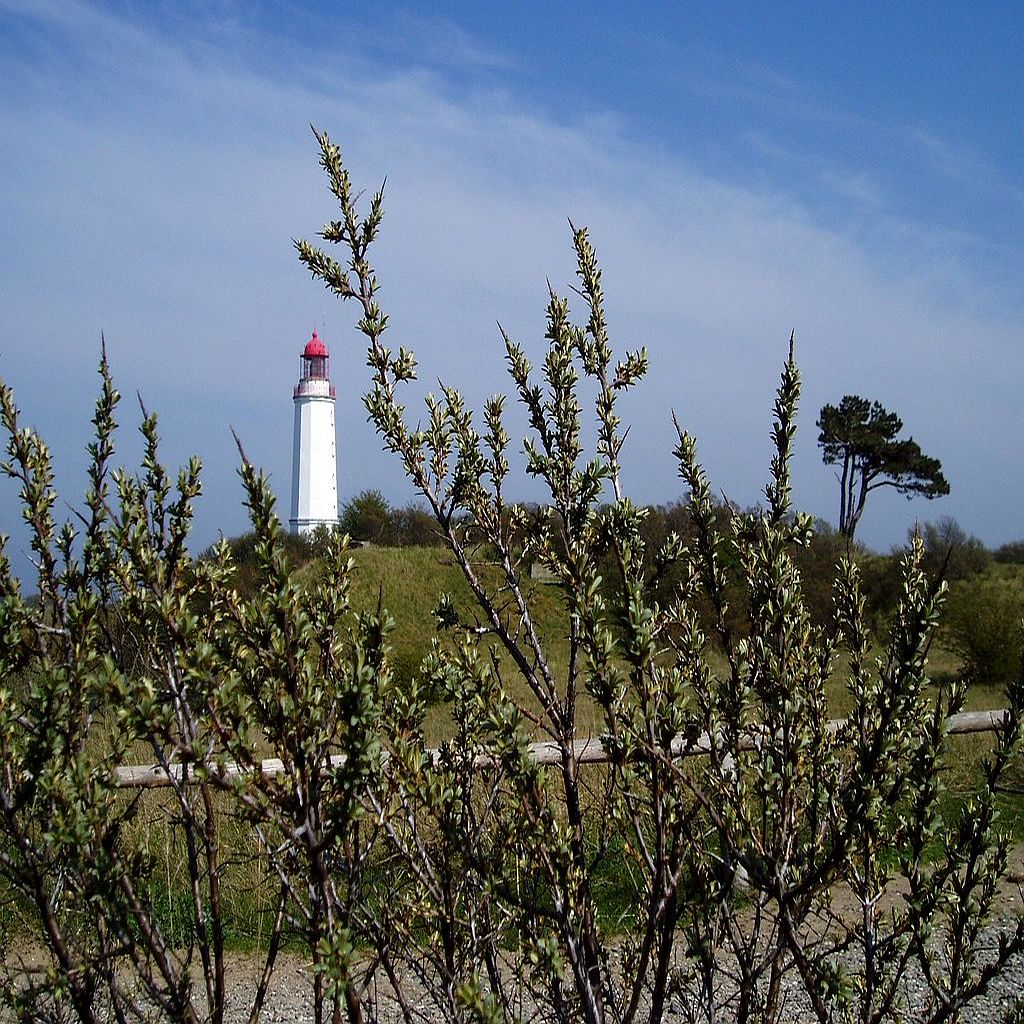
314,371
314,347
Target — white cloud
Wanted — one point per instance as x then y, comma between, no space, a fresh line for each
161,207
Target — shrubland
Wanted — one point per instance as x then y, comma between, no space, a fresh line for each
760,858
982,626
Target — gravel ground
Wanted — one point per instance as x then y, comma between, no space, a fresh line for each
290,997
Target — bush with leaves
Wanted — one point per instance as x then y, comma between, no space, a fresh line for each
132,645
734,854
1011,552
465,883
298,548
982,624
370,517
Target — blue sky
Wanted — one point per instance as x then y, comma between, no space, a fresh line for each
851,172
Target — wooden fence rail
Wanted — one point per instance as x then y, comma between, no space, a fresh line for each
587,751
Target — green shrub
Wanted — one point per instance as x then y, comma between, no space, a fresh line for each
982,624
1012,552
733,856
368,517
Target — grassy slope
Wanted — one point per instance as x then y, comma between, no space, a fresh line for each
410,581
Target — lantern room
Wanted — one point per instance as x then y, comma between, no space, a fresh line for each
314,370
315,360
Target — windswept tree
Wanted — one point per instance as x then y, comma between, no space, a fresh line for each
861,437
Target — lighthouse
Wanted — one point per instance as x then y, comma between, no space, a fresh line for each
314,462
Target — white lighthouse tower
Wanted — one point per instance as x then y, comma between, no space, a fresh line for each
314,462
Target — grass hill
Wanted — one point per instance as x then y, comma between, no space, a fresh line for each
409,581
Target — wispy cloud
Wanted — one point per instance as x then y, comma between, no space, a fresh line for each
157,199
766,89
859,186
440,42
963,164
